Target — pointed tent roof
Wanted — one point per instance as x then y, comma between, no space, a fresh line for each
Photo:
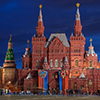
66,59
29,76
45,60
27,52
82,75
9,53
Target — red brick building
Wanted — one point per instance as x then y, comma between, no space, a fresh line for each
57,54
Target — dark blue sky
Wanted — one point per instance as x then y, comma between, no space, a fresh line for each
19,18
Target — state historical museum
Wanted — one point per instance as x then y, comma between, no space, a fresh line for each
55,64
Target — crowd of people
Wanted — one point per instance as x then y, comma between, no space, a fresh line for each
69,92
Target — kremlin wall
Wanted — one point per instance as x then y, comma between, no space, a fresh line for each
55,64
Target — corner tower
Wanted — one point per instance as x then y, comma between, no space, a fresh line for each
9,66
38,43
77,41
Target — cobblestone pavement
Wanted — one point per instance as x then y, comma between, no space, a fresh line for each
52,97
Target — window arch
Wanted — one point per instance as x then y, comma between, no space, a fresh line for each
51,63
56,63
76,63
61,63
90,63
37,63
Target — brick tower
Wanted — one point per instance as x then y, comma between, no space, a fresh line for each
38,43
77,46
9,66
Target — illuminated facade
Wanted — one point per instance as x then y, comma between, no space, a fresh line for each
54,55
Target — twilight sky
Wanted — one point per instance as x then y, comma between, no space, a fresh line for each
19,18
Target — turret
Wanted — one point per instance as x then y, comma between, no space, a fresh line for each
27,58
91,56
9,67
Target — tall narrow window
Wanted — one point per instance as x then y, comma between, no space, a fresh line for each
56,63
51,63
61,63
37,63
76,63
90,63
26,64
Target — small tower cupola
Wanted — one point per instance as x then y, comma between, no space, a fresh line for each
27,52
91,50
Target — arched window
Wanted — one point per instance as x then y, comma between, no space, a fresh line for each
90,63
76,63
37,63
28,87
61,63
26,64
56,63
90,83
51,63
75,85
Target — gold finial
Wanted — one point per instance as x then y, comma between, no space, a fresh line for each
77,5
90,40
40,6
28,41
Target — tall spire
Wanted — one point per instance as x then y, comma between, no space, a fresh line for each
77,13
40,14
40,26
77,26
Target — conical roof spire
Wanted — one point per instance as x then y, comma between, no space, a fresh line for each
77,26
29,76
45,60
27,52
40,14
82,75
66,59
10,40
77,14
40,26
10,54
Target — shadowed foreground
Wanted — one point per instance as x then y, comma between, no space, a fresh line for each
48,98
